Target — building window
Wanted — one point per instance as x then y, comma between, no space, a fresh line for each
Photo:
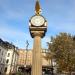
7,60
0,50
1,59
5,69
8,55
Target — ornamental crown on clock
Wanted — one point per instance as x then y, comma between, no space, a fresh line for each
37,19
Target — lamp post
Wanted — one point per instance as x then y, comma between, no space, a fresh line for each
27,44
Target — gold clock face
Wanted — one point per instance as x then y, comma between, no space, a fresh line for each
37,20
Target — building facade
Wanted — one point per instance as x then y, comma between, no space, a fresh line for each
8,58
2,59
25,57
3,51
25,61
11,61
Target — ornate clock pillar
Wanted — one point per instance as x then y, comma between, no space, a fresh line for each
38,28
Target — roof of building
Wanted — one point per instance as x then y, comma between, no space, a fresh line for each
6,44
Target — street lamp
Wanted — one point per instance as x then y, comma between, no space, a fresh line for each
27,44
26,52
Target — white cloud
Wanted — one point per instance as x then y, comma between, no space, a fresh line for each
60,16
16,36
11,9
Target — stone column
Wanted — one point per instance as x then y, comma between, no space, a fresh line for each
36,58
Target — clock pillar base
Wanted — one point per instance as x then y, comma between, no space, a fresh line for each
36,56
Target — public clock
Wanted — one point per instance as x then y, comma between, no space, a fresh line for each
37,20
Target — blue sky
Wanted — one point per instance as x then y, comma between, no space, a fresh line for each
15,15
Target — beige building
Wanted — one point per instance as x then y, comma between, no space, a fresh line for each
25,60
25,57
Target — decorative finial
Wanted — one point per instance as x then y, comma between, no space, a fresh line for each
37,8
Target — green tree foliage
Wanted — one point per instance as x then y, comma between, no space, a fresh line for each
63,47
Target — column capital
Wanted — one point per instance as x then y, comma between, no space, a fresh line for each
37,33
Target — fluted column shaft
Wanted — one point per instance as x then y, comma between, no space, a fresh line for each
36,58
